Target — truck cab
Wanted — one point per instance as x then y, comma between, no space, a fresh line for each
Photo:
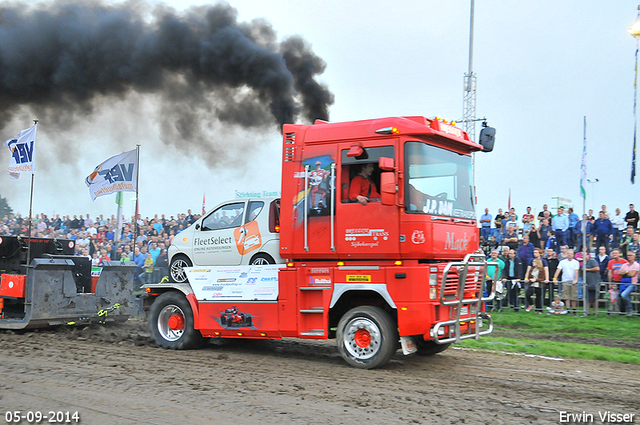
422,178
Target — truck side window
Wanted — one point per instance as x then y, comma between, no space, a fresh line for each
351,167
225,217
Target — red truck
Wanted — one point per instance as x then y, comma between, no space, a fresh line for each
378,228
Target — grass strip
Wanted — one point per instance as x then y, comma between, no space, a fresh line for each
554,349
602,326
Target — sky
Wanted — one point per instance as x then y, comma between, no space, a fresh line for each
541,68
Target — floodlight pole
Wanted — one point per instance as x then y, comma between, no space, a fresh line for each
469,98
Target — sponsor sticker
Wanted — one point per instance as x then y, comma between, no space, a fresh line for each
358,278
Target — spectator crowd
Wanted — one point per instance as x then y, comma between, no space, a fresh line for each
544,256
96,238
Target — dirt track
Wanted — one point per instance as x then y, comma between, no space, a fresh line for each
115,375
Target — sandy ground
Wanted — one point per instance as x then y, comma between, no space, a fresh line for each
115,375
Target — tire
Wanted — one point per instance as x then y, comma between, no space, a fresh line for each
429,348
176,269
171,323
367,337
262,260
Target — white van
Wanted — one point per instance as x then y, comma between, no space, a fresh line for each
237,232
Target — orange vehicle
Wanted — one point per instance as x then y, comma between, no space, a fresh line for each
378,227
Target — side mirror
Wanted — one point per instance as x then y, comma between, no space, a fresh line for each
388,186
487,137
197,227
386,164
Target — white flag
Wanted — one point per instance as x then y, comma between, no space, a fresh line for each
583,168
116,174
23,153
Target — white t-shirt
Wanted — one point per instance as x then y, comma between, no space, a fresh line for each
569,269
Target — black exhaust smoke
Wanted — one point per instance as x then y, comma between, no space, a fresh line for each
61,58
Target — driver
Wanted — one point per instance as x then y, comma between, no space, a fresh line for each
362,189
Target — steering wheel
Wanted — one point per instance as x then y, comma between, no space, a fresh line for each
441,195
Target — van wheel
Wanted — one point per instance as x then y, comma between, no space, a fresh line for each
171,323
176,269
367,337
262,260
429,348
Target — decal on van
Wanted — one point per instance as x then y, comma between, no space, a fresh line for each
248,237
212,244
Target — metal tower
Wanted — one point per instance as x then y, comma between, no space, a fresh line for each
469,99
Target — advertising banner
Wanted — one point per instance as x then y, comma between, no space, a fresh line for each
235,283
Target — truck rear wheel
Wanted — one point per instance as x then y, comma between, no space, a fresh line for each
429,348
171,323
367,337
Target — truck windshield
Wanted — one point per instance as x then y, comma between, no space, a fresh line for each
439,181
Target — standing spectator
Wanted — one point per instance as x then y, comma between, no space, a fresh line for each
126,254
593,284
590,217
88,222
511,238
629,273
162,262
147,267
632,217
603,260
573,219
537,275
560,226
613,271
583,232
527,217
619,226
545,213
552,242
511,276
526,227
505,254
569,268
603,230
493,243
485,222
634,245
493,275
104,256
552,260
512,222
533,235
82,242
626,240
543,232
525,252
155,251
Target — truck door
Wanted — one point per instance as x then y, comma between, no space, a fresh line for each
219,240
371,230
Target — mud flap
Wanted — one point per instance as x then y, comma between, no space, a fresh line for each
408,345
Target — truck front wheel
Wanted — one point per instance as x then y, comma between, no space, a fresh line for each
367,337
171,323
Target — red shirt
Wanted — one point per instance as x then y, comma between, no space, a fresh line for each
361,186
615,265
